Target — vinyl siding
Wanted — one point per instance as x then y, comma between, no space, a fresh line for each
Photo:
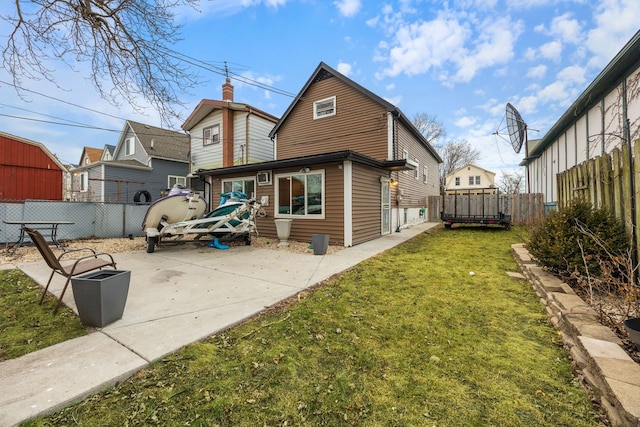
210,156
240,141
260,145
139,154
359,124
367,203
301,228
415,190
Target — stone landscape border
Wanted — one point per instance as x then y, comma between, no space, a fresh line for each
596,351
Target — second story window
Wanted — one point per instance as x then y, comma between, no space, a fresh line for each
457,180
211,135
129,147
324,108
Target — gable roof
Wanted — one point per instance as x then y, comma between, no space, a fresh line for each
109,148
207,106
93,154
160,143
37,144
322,71
473,166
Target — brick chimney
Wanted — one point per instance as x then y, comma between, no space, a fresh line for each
227,90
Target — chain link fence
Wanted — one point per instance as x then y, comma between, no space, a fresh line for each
89,219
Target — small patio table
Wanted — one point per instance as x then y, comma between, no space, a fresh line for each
50,225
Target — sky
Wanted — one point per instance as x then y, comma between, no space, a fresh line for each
460,61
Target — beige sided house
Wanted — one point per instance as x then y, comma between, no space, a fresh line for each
470,179
347,163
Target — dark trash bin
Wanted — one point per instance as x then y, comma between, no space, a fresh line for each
320,243
100,296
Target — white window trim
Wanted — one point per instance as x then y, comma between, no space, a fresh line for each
84,182
405,156
243,179
210,139
276,180
182,180
425,174
417,171
129,146
316,112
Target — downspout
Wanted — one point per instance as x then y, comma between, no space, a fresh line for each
246,136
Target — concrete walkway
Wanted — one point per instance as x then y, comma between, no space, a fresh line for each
177,295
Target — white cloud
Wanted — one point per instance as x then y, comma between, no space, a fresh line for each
537,72
344,68
551,50
465,121
422,45
616,22
554,92
572,74
495,46
395,100
348,8
455,45
567,28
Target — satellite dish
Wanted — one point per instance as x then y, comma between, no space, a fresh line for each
517,128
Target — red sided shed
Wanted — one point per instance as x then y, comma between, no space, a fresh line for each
28,170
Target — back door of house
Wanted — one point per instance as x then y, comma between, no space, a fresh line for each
386,206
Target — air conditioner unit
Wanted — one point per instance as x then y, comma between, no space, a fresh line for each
264,178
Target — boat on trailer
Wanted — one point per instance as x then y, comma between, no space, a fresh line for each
171,218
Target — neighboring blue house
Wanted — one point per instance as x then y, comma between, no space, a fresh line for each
147,161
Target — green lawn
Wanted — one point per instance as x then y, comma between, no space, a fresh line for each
26,326
407,338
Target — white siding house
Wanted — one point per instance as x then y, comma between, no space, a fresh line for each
227,133
604,116
470,179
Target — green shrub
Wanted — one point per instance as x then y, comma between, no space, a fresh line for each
560,245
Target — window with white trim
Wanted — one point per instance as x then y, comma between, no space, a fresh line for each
324,108
240,185
300,195
211,135
416,173
457,180
425,174
84,181
405,156
129,146
173,180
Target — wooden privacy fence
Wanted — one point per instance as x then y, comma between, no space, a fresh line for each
610,181
525,208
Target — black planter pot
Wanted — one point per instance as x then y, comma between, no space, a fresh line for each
632,326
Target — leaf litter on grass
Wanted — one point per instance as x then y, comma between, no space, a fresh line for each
405,338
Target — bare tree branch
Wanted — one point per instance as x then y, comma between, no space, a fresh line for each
429,126
511,183
126,42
